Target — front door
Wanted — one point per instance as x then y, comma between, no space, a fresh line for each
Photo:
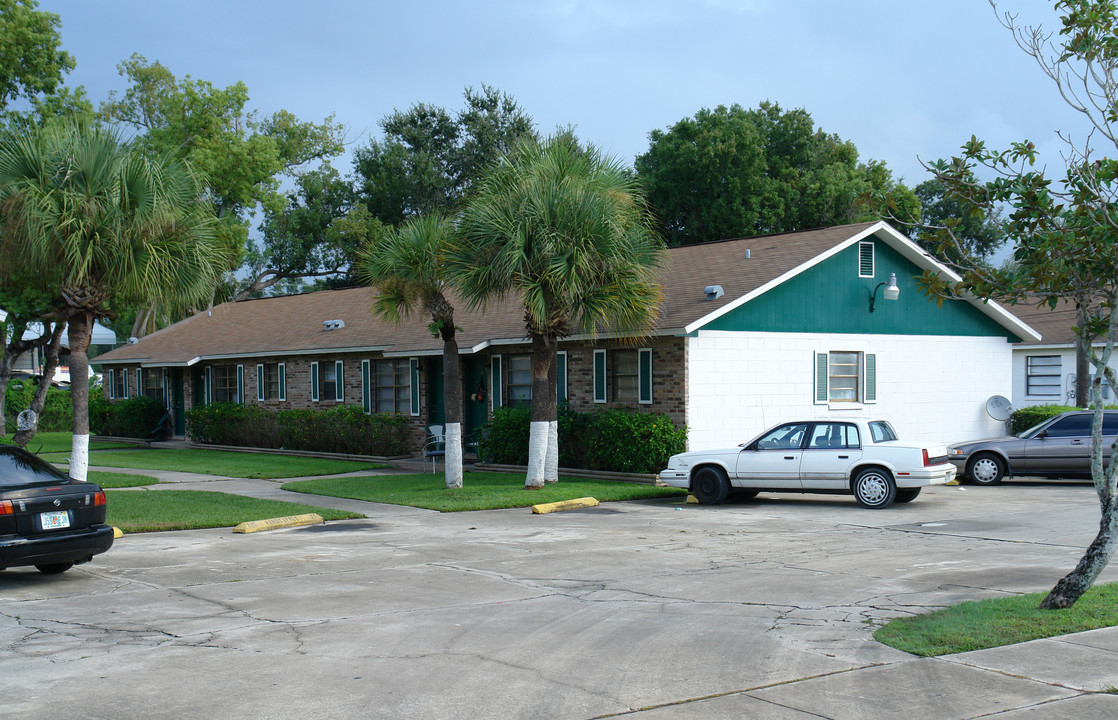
774,460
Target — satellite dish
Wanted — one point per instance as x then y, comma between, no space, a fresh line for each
999,407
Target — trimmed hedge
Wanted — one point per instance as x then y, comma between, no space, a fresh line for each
617,440
136,417
58,409
1026,417
341,429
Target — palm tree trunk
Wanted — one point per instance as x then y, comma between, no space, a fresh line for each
452,401
539,427
23,437
81,323
551,462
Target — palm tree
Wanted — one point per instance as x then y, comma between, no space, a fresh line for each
103,223
567,231
406,266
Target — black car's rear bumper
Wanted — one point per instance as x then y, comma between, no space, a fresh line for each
77,547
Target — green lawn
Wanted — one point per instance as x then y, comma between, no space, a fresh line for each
120,480
57,442
136,511
480,491
224,463
985,624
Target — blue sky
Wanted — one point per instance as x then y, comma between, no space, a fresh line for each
901,80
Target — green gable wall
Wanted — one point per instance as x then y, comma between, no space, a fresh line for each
831,298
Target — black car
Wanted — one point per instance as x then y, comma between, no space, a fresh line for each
47,519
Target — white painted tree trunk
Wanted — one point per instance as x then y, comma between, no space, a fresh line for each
79,457
537,454
551,464
453,456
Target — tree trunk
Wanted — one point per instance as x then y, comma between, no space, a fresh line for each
542,412
81,322
551,461
1082,344
22,437
1072,586
452,402
12,352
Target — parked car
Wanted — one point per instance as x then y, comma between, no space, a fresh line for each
1059,447
47,519
858,456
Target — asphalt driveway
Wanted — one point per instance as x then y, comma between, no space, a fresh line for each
656,609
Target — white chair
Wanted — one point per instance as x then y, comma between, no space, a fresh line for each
435,447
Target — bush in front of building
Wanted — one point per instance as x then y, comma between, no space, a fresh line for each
137,417
616,440
343,429
57,412
1024,418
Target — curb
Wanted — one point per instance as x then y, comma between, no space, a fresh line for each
575,504
117,533
280,522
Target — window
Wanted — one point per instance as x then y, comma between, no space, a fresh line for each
118,384
520,379
224,378
152,382
829,436
271,382
845,377
625,375
865,260
881,431
1071,426
561,376
785,437
392,386
1042,376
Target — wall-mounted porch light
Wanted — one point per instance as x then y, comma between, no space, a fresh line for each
892,292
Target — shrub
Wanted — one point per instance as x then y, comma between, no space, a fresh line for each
1026,417
136,417
57,412
342,429
617,440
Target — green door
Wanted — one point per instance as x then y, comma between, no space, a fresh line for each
435,414
475,394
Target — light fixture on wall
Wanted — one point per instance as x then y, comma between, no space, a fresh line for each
892,292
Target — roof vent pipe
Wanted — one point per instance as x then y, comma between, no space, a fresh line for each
713,292
747,253
333,324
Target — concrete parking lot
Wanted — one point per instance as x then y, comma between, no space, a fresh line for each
656,609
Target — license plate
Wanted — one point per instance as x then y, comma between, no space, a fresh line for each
55,520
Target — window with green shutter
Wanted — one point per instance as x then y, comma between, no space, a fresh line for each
845,376
600,376
414,385
561,375
645,376
366,387
314,381
497,381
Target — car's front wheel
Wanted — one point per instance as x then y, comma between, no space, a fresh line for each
986,469
54,568
710,485
874,488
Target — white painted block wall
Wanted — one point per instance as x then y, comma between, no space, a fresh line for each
1067,377
929,387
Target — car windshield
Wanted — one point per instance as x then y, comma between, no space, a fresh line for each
882,431
19,468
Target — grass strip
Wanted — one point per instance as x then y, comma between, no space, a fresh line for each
223,463
982,624
135,511
480,491
108,479
62,442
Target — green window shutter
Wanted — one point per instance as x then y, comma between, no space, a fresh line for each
166,388
314,381
259,383
339,382
366,388
241,384
414,363
644,356
599,376
561,376
209,389
124,384
139,381
283,382
871,378
498,382
112,384
821,370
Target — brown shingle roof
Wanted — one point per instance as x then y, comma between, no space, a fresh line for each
1054,325
294,324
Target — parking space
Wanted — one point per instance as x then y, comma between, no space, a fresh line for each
505,614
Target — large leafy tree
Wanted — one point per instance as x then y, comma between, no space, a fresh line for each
979,234
566,231
407,266
732,172
430,158
1062,228
243,157
91,213
32,60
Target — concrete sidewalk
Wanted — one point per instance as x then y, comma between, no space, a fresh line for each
653,609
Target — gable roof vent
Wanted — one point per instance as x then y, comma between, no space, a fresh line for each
333,324
713,292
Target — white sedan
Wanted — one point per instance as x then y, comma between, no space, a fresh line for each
862,457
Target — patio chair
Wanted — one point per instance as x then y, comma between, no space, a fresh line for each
435,447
